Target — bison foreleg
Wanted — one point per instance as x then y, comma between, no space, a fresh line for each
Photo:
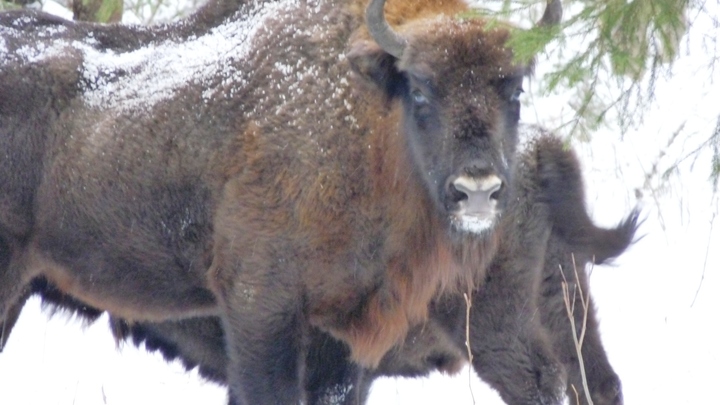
266,336
7,322
510,348
332,379
14,292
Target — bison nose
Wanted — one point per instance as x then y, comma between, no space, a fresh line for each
475,196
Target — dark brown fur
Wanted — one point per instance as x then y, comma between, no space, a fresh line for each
278,210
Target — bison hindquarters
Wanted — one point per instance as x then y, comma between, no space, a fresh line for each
604,384
574,244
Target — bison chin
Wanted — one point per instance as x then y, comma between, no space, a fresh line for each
474,224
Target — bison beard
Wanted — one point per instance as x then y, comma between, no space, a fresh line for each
270,186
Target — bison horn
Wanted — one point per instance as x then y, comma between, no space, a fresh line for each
552,15
380,30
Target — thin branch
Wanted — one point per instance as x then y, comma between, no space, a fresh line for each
570,308
468,305
577,395
707,252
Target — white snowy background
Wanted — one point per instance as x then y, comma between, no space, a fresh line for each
658,304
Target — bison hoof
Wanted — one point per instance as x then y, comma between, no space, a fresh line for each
608,393
605,392
551,382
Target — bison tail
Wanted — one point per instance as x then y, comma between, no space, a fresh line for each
602,245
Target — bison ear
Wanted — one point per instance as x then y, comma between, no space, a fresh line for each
374,65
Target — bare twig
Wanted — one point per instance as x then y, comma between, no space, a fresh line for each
577,395
570,308
707,252
468,305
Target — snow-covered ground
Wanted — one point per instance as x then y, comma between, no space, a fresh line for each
658,304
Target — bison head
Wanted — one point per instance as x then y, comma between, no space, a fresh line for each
460,90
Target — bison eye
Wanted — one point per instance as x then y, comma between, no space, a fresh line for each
418,97
516,95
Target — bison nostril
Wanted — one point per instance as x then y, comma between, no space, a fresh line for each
456,195
495,195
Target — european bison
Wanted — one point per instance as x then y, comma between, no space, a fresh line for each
439,343
299,171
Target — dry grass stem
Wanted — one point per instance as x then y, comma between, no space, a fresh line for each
570,308
577,394
468,305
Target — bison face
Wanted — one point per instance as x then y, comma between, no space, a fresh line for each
460,97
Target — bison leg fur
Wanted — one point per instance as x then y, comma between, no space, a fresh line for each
331,378
7,322
266,334
511,350
13,291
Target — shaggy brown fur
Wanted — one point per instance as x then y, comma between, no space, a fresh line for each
270,188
